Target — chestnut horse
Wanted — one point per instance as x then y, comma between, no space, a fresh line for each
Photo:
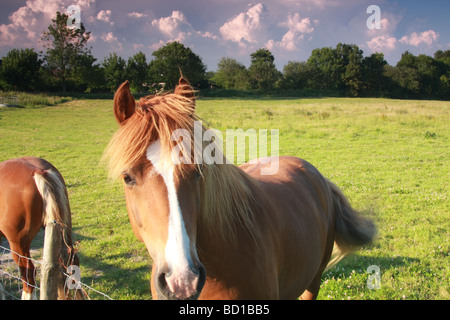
218,231
33,194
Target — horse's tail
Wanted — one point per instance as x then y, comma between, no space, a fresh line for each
56,205
54,195
352,229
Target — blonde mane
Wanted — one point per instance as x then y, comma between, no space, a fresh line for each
228,202
156,117
227,196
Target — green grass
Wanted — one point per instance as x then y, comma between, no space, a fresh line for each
390,157
30,100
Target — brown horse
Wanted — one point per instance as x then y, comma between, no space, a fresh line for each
218,231
33,194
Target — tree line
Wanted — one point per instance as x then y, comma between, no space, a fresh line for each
68,65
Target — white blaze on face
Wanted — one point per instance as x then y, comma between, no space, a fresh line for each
177,251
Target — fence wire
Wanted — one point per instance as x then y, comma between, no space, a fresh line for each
9,101
11,283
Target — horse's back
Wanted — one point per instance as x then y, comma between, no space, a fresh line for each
295,187
298,203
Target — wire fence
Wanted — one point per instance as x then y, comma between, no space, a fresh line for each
9,101
10,278
11,283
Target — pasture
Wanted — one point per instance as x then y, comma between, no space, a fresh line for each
390,157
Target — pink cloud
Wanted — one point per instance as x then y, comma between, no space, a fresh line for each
173,26
415,39
8,34
298,27
381,43
105,16
245,27
109,37
27,23
24,18
137,15
114,42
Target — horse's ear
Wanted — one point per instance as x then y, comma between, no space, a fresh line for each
124,103
185,89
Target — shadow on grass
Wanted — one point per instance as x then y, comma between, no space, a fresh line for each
359,263
107,277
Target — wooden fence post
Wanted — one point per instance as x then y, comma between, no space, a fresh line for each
51,270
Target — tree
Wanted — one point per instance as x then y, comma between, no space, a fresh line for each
171,60
296,75
86,75
429,75
372,72
428,69
114,68
64,47
262,70
407,60
442,54
20,70
231,75
137,70
442,58
327,70
350,62
402,81
444,86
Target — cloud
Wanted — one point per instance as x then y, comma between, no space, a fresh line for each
109,37
27,23
105,16
386,27
415,39
383,39
298,27
246,27
174,26
157,45
382,43
207,34
235,28
137,15
389,43
114,42
310,4
8,35
24,24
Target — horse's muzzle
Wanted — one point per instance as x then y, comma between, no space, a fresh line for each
186,285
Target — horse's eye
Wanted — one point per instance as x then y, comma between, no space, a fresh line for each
128,180
199,172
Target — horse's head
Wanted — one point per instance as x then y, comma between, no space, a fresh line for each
162,197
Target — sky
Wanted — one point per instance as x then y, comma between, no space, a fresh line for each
213,29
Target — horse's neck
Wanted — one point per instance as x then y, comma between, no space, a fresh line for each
229,238
229,203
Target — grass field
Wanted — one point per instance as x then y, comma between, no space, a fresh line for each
390,157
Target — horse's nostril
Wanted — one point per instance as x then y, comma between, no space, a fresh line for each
181,284
162,283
